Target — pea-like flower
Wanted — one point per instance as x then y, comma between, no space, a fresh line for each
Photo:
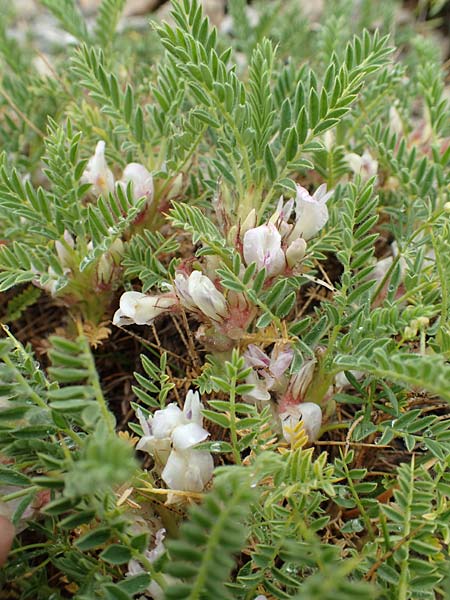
198,292
307,412
311,212
365,165
263,245
97,172
268,372
141,179
171,435
141,309
135,567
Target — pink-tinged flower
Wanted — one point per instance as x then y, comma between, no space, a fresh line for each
263,245
281,216
366,166
198,292
311,212
298,386
269,372
141,179
97,172
141,309
307,412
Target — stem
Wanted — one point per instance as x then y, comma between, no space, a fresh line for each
233,432
157,577
19,493
21,379
403,591
443,281
358,502
95,382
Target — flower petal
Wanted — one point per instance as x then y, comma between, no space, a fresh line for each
97,172
165,420
189,471
255,357
308,412
186,436
141,179
311,212
263,245
192,407
206,296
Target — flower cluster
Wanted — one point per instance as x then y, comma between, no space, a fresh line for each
279,246
196,293
170,436
269,374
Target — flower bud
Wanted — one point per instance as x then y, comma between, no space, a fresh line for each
62,251
295,252
105,268
249,222
366,166
423,322
409,332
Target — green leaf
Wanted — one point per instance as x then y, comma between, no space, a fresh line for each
10,477
116,554
291,144
92,539
269,161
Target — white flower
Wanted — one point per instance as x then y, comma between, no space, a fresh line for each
342,382
181,286
189,470
263,245
141,309
307,412
366,166
141,179
135,567
170,435
198,292
97,172
311,212
259,391
300,381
